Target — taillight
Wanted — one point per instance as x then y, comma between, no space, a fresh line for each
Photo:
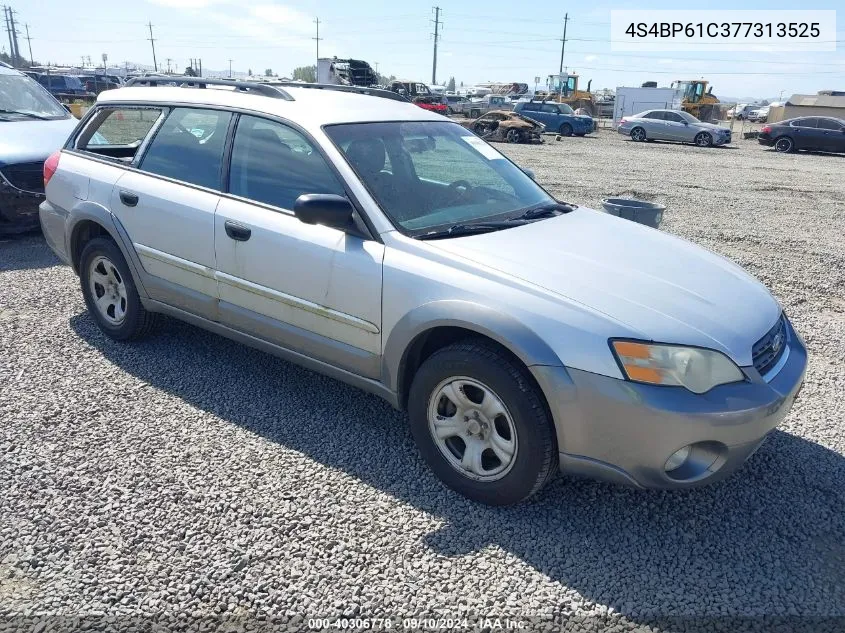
765,129
624,120
50,166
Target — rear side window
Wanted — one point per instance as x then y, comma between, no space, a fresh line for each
118,132
657,116
189,147
808,122
551,108
275,164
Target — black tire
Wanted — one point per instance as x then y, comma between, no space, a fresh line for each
638,134
565,129
513,136
784,145
703,139
474,114
137,321
536,456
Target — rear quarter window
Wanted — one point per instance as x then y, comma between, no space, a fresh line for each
118,132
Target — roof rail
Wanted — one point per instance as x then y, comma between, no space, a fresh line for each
373,92
265,89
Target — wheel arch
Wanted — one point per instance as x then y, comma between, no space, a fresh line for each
435,325
88,220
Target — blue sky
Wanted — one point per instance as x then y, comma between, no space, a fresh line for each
493,40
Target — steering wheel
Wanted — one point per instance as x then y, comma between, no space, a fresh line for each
459,189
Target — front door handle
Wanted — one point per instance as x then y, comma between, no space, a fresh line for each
237,231
128,198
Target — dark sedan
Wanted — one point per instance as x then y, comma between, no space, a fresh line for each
816,133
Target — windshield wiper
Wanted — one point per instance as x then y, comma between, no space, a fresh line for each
31,115
544,211
456,230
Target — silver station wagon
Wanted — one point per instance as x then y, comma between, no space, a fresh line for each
391,248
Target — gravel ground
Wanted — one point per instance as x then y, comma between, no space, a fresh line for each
186,476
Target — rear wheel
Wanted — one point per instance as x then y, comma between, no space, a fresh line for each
704,139
481,424
638,134
110,293
474,114
565,129
785,145
513,136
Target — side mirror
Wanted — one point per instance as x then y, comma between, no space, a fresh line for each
685,122
324,208
530,173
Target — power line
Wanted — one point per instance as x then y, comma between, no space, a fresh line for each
563,42
153,44
436,37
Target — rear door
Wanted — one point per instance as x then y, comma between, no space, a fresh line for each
655,126
804,132
167,206
309,288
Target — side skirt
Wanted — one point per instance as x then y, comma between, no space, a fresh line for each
366,384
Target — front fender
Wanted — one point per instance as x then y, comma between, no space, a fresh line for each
498,326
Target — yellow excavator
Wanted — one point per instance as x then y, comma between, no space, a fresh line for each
563,88
698,100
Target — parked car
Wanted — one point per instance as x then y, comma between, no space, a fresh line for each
510,127
62,85
476,107
741,111
456,104
433,103
99,83
816,133
673,125
32,126
558,117
393,249
759,115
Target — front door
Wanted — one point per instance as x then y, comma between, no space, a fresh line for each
309,288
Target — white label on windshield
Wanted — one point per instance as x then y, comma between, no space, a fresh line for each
483,148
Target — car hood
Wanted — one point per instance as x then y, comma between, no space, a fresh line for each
32,141
710,126
662,287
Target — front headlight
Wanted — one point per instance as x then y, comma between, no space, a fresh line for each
699,370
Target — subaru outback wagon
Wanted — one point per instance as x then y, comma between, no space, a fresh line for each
393,249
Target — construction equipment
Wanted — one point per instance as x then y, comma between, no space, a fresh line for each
563,88
698,100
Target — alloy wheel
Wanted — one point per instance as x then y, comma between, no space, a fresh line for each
108,290
638,134
473,429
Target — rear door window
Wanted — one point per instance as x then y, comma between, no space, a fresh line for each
118,132
808,122
657,116
189,147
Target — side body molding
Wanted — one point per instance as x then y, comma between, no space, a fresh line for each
500,327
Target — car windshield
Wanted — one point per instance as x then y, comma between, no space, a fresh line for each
21,97
428,175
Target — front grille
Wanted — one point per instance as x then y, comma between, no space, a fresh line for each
26,176
767,351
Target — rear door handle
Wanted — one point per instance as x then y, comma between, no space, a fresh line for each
237,231
128,198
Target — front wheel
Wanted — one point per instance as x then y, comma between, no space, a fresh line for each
784,145
703,139
638,134
481,424
513,136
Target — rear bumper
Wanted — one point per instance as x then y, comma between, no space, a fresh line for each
624,432
768,142
18,209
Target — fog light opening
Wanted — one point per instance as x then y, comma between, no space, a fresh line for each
677,459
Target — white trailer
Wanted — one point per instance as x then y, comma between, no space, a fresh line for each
634,100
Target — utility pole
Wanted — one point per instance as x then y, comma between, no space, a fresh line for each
153,44
29,43
9,31
563,42
169,59
436,37
200,61
14,52
318,38
230,68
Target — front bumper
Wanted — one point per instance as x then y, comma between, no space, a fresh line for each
624,432
18,209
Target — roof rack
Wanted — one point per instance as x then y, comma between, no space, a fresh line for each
373,92
265,88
